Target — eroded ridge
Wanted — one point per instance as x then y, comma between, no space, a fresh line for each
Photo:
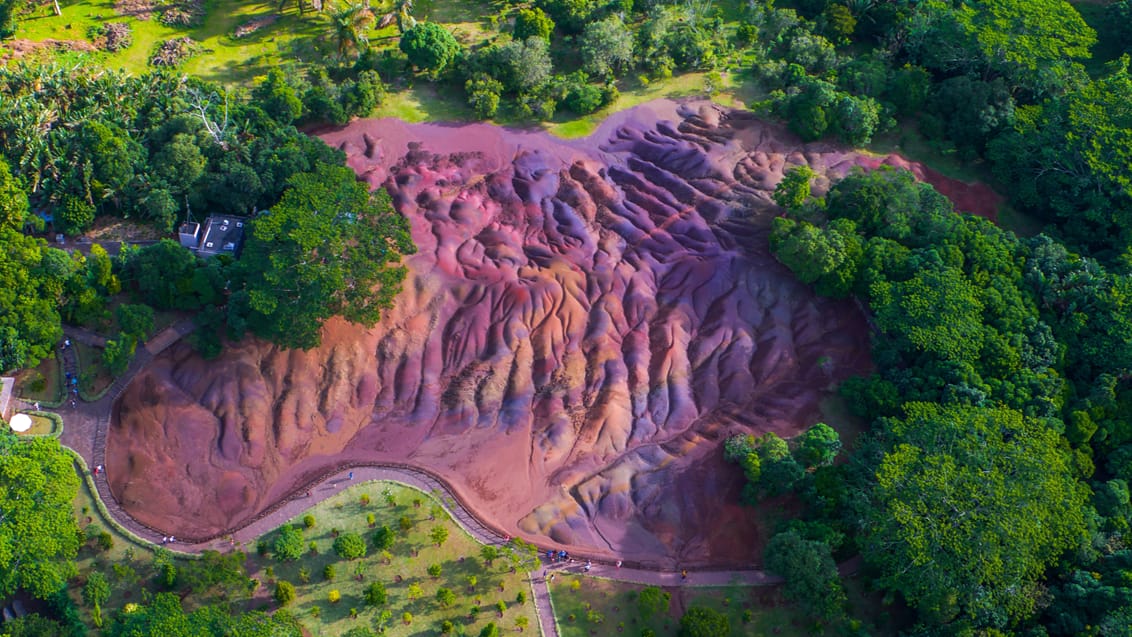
581,327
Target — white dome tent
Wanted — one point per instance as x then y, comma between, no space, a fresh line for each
20,423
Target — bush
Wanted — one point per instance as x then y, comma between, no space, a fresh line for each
284,592
105,541
383,538
305,575
288,544
429,46
334,596
350,546
532,23
308,521
328,573
375,594
434,570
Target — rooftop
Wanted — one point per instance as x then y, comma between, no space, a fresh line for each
222,235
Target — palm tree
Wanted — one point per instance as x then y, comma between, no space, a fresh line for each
349,26
401,13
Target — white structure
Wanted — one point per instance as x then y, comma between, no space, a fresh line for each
20,423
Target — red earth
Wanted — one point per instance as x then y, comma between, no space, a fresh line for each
583,325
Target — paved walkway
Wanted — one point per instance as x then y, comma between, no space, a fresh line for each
86,425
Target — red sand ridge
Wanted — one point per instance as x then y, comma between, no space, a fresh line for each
583,325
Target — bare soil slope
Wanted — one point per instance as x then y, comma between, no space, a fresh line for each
582,326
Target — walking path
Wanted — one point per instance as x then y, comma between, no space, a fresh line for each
86,425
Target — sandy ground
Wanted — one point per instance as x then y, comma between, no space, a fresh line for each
583,325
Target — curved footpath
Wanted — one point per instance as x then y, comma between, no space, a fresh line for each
86,425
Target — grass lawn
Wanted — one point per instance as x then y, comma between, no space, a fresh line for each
93,375
405,568
40,426
51,374
587,606
225,59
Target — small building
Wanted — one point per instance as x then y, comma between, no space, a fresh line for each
189,234
222,235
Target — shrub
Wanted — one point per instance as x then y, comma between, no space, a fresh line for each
445,597
406,523
328,573
305,575
364,499
334,596
350,546
375,594
308,521
434,570
105,541
383,538
371,519
284,592
521,598
288,544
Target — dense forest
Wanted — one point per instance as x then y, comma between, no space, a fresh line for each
990,494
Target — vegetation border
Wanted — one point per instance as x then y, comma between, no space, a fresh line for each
55,418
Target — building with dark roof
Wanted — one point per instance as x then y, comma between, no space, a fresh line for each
221,234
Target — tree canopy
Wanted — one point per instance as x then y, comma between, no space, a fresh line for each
329,247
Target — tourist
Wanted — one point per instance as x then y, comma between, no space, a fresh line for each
37,405
589,565
66,343
351,476
618,563
684,574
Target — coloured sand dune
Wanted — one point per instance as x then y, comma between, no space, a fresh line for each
583,325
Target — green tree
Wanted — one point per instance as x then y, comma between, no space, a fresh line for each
329,247
13,200
532,23
652,601
828,258
179,164
74,214
699,621
794,189
606,47
910,311
438,535
445,597
289,544
809,571
134,320
284,592
491,630
278,98
350,546
434,570
383,538
818,446
95,593
972,504
38,533
118,353
522,66
429,46
375,594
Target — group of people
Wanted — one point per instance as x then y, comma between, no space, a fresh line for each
168,539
